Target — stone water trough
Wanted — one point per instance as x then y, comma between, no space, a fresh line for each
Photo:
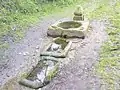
47,67
58,48
68,28
42,74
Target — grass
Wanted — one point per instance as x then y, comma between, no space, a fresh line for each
17,15
108,67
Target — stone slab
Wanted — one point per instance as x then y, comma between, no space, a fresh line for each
50,72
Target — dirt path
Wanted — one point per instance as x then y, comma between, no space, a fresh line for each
25,54
78,74
76,70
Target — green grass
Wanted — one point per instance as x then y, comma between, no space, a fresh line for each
108,67
17,15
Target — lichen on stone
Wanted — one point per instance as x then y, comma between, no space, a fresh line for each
52,74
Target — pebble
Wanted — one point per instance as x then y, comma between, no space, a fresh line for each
37,51
33,54
37,47
7,75
25,53
55,47
19,53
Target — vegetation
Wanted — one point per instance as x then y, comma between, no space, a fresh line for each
16,15
109,64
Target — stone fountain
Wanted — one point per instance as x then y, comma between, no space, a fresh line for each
78,14
58,48
78,27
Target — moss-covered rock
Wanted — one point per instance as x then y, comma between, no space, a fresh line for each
51,74
61,41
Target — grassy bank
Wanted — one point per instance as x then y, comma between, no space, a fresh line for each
17,15
108,66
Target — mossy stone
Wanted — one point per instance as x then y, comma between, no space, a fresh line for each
69,24
51,74
61,41
78,11
78,18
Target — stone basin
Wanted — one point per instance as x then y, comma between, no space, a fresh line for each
69,28
58,48
42,74
69,24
